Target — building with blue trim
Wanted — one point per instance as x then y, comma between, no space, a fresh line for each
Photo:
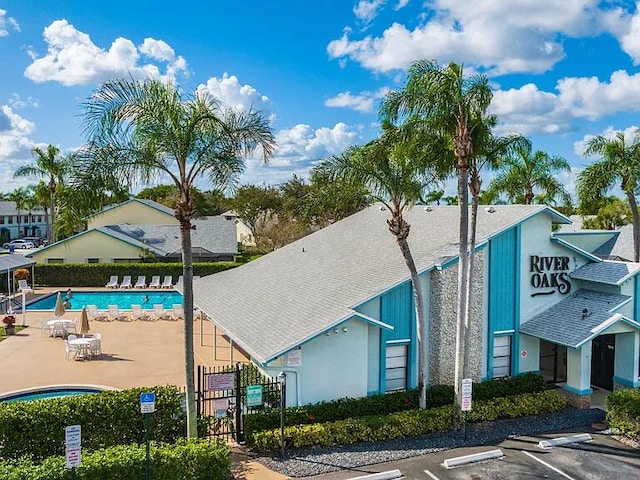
335,310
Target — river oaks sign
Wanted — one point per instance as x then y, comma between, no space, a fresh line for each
549,275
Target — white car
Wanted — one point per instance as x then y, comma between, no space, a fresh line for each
18,244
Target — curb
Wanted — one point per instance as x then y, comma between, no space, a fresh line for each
476,457
554,442
389,475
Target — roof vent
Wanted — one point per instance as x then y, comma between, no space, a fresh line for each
428,208
382,209
490,210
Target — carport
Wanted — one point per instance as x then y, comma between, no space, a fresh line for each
11,262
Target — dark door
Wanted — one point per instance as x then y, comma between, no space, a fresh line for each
603,351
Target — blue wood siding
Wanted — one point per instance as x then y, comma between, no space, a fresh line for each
636,298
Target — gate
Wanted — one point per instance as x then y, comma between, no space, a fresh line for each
221,396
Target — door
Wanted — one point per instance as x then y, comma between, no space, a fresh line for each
553,362
603,349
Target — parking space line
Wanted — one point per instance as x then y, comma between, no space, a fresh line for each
431,475
557,470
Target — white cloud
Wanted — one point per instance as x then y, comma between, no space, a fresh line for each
363,102
7,23
233,94
15,145
17,102
73,59
502,37
401,4
630,134
367,10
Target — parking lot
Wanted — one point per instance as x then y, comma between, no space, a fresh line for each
601,458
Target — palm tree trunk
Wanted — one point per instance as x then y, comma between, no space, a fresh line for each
46,221
463,201
636,226
187,292
52,193
420,323
474,186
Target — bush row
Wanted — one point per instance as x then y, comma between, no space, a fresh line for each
409,423
35,429
437,395
192,460
623,412
98,274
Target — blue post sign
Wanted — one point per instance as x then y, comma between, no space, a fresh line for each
148,406
148,402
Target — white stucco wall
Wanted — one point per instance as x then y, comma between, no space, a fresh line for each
579,368
530,363
586,241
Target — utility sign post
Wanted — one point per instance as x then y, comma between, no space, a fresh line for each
73,446
467,387
147,407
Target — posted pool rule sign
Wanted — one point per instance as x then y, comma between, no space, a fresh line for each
72,444
467,385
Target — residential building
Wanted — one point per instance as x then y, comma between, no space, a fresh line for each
16,223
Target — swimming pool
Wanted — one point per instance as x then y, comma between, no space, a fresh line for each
124,299
48,392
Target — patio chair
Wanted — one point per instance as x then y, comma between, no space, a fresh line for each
155,282
113,282
141,282
177,311
115,314
72,327
159,313
95,314
95,348
23,286
45,326
167,282
138,314
59,329
71,350
126,282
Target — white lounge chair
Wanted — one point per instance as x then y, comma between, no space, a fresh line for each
126,282
155,282
23,286
113,282
114,313
177,311
95,314
167,282
179,281
138,314
141,282
159,313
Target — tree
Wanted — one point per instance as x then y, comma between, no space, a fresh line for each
395,168
450,104
523,173
142,129
42,197
253,204
611,216
50,165
19,196
619,162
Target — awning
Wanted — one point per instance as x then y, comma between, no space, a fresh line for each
579,318
13,261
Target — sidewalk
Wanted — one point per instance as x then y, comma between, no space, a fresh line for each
244,467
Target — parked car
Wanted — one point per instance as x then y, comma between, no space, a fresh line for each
37,241
18,244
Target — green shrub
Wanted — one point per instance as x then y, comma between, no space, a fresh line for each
35,429
623,412
437,396
406,423
98,274
187,460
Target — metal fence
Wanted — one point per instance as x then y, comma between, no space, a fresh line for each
221,395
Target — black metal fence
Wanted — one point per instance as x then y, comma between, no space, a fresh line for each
226,394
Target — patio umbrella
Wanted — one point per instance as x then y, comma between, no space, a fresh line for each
84,322
59,311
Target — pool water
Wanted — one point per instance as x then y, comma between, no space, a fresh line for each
102,300
52,393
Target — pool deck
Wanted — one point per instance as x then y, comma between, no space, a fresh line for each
135,354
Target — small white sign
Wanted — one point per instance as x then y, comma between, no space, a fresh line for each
467,387
221,381
72,436
73,457
148,402
294,358
221,405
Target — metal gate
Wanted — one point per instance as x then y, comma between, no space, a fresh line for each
221,396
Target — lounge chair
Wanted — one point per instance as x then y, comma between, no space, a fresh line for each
155,282
138,314
179,282
95,314
23,286
115,314
126,282
177,311
159,313
113,282
141,282
167,282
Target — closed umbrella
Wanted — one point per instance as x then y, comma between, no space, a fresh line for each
84,325
59,311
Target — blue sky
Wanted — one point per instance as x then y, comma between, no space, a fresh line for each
560,71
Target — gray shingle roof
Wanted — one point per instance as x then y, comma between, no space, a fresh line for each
565,322
9,208
278,301
12,261
611,273
620,246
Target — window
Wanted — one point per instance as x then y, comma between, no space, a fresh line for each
501,356
39,218
396,368
93,260
10,219
26,219
126,260
1,219
55,260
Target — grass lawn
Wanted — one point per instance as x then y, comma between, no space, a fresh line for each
3,333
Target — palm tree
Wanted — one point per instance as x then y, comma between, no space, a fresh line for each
49,165
19,196
451,104
140,130
619,162
395,168
42,198
524,172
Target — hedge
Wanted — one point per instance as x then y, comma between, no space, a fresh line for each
437,395
35,429
623,412
187,460
98,274
409,423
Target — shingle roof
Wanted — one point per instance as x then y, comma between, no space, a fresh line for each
11,261
567,323
609,272
282,299
9,208
620,246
